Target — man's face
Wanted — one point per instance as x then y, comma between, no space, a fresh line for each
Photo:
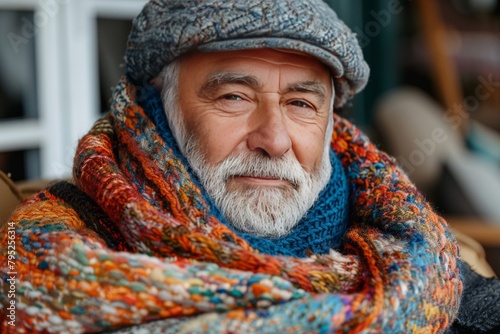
266,101
256,122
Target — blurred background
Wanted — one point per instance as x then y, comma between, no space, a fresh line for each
433,99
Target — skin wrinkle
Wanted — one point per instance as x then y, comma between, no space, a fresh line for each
311,86
218,79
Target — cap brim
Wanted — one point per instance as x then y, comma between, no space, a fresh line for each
326,57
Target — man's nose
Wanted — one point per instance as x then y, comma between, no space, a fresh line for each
269,131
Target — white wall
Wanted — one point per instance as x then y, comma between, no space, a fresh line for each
66,74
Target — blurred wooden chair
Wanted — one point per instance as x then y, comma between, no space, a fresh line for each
12,194
10,197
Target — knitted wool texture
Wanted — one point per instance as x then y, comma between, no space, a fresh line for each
136,245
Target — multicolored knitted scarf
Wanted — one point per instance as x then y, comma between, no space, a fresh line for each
135,245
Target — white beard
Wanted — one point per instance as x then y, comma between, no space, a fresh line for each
261,211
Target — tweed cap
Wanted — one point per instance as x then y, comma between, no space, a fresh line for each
166,29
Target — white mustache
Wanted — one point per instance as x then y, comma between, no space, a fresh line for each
255,165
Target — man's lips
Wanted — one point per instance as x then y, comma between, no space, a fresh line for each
268,181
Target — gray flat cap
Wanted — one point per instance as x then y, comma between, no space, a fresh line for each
166,29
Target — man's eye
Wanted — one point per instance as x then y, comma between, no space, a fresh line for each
301,104
231,97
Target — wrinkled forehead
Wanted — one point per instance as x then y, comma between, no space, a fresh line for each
291,64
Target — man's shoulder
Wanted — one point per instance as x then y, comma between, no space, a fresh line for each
480,305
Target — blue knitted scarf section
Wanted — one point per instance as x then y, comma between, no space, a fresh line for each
320,230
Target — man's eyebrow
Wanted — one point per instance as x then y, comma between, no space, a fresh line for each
215,80
312,86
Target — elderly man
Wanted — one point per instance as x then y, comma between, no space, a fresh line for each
221,194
